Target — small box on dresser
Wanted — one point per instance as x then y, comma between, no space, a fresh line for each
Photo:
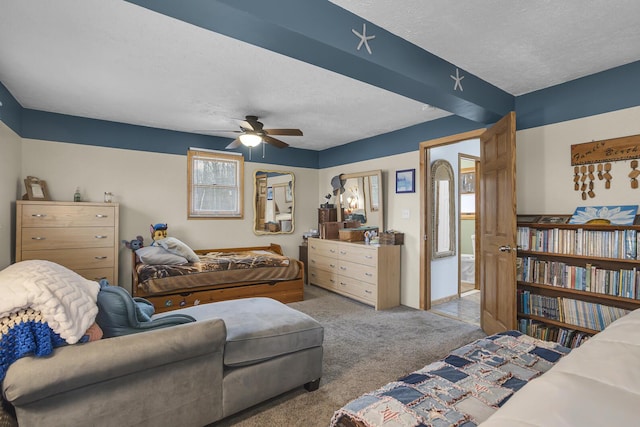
78,235
391,238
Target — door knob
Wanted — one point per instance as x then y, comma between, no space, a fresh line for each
506,248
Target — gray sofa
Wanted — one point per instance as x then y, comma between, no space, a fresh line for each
236,354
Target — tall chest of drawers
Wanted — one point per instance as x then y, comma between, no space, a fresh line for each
78,235
369,274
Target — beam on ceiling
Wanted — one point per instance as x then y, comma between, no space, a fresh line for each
320,33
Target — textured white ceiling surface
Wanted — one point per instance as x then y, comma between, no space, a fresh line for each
111,60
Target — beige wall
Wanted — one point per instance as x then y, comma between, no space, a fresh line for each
395,205
10,189
151,188
544,171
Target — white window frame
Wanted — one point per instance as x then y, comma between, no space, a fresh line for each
195,155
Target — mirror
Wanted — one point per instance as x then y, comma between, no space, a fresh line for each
442,188
362,198
273,207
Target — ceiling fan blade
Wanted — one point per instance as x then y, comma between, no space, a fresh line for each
245,125
274,142
206,131
235,144
291,132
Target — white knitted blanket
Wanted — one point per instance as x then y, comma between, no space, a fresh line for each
66,300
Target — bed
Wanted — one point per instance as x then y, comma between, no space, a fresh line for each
218,275
461,390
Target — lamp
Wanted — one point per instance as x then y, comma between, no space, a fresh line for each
250,139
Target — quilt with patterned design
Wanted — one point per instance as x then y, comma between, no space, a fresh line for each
463,389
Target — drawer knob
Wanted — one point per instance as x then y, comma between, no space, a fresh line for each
368,291
39,215
101,216
368,257
100,257
343,284
343,252
343,268
333,251
38,238
368,274
99,236
332,265
332,281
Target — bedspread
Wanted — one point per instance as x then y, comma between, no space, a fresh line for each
462,389
216,268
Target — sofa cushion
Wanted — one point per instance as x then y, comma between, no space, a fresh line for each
259,329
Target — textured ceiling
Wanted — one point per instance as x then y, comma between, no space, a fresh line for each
116,61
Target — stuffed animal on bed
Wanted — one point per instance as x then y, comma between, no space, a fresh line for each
134,244
158,232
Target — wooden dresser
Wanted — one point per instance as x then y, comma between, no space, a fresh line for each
80,236
369,274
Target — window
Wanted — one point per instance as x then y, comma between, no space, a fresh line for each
215,184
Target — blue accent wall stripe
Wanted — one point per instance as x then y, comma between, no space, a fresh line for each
610,90
79,130
10,110
396,142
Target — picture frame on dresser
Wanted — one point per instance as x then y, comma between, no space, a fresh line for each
36,189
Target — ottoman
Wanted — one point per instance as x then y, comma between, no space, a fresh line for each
270,348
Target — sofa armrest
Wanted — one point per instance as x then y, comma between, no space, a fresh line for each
75,366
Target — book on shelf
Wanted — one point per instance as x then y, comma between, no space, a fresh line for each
615,244
624,282
566,337
580,313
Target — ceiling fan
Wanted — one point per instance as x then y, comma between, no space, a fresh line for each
252,133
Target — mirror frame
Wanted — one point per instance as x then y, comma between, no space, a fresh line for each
378,209
286,193
441,170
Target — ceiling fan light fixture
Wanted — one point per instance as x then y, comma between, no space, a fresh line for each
250,139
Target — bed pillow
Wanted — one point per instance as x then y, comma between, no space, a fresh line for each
157,255
177,247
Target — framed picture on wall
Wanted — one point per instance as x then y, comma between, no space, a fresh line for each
406,181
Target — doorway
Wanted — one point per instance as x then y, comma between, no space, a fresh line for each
453,278
495,223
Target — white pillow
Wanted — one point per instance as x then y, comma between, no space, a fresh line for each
177,247
157,255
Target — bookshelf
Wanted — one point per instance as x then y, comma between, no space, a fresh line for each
574,279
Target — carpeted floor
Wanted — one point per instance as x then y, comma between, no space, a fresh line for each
363,350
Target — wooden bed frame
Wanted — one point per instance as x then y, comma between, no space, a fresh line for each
284,291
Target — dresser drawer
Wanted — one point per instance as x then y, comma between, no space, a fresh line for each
97,274
75,259
321,247
64,238
359,254
324,263
365,292
323,278
362,272
37,215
